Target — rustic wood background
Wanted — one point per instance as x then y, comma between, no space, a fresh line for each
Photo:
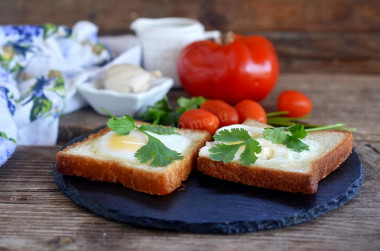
35,215
313,38
310,36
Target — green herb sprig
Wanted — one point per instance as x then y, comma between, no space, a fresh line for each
290,140
155,153
279,118
226,152
161,113
237,137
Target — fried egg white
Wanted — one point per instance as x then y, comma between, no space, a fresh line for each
124,147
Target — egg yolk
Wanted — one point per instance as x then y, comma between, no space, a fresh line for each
131,142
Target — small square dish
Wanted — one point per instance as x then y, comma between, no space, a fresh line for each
120,104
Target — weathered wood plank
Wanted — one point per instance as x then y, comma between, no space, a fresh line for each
37,215
319,45
240,15
34,214
310,36
327,52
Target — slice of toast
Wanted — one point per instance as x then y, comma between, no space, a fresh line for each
85,159
280,168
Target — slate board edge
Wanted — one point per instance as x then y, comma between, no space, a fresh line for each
235,227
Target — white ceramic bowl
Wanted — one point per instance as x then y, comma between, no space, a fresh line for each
120,104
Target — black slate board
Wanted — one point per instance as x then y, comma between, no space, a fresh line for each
208,205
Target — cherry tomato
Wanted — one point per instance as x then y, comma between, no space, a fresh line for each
243,68
199,119
226,114
249,109
295,102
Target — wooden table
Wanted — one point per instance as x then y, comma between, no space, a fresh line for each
34,214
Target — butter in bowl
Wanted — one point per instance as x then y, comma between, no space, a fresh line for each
125,89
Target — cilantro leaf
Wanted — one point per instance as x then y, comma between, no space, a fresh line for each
223,152
190,103
154,115
295,144
161,113
163,104
227,152
157,112
158,129
291,141
157,153
249,156
171,118
233,135
297,131
121,125
154,151
275,135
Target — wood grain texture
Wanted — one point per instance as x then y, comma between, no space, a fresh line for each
327,52
310,36
35,215
240,15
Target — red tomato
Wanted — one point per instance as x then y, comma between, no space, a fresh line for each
249,109
295,102
246,68
226,114
199,119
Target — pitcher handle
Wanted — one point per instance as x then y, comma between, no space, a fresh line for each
214,34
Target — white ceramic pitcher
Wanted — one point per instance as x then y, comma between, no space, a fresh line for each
163,38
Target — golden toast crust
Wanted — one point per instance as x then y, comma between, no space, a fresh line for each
152,181
295,182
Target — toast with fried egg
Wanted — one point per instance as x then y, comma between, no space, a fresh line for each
280,168
103,156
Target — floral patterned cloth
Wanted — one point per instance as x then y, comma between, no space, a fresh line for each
38,66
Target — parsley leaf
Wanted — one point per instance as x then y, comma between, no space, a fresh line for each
227,152
275,135
289,136
163,114
296,144
189,104
170,119
156,152
157,112
121,125
291,141
249,156
158,129
223,152
297,131
236,134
